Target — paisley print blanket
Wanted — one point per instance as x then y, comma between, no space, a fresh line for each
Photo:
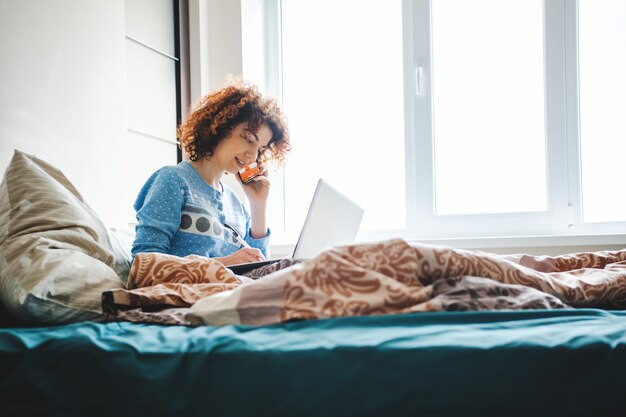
390,277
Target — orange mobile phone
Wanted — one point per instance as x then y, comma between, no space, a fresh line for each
248,172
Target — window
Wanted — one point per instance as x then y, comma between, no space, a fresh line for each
451,118
347,88
602,63
488,106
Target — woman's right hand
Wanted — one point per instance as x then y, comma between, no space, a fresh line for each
242,256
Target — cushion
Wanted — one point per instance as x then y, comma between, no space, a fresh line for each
56,257
122,244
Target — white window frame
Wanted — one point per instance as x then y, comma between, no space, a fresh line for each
562,221
555,220
570,11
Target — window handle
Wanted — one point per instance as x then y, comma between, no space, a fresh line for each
419,75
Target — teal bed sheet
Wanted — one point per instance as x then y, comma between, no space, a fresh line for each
539,363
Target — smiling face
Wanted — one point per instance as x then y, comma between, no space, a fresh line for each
242,147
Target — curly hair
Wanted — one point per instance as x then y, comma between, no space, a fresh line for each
218,113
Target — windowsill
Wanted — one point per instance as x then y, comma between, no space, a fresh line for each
538,245
530,241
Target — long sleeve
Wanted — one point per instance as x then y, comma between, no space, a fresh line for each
159,206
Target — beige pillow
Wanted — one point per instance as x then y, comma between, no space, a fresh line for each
56,258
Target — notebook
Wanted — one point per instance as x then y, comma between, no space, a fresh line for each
332,220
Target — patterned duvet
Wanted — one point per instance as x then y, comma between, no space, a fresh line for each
390,277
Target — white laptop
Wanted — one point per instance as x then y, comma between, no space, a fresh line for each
333,219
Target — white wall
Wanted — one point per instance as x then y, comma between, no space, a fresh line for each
150,93
215,44
63,97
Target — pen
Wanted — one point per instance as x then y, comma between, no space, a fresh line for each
237,237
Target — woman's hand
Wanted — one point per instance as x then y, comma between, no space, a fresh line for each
242,256
257,190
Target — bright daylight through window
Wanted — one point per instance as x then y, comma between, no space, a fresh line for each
343,92
602,52
451,118
488,94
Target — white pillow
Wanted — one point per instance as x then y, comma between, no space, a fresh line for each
122,244
56,258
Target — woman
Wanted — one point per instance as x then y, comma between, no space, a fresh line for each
186,209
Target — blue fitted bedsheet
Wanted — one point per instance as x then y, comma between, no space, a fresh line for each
469,363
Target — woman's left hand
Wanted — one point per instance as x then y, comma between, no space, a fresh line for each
257,190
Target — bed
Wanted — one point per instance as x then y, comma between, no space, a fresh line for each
389,328
539,363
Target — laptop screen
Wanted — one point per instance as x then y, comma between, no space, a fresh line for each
333,220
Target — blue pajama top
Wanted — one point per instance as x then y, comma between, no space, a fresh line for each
180,214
